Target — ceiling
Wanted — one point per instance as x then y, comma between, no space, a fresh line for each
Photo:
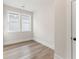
31,5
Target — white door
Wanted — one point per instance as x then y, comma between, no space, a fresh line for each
73,29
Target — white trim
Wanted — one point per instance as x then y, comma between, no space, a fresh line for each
57,56
45,44
14,42
68,54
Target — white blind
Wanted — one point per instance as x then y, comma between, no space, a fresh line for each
26,23
14,22
18,22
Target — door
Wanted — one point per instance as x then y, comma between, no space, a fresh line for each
73,28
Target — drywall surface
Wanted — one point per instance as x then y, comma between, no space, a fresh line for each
44,24
61,28
13,37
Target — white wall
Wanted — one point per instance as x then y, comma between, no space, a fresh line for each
61,28
13,37
44,25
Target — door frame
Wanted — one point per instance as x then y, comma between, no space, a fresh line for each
72,37
69,30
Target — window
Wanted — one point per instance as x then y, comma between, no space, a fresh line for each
13,21
26,23
18,22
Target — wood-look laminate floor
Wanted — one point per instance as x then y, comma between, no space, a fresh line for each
27,50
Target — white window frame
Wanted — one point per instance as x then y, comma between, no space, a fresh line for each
20,15
29,20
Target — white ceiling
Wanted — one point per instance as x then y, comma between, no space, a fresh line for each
31,5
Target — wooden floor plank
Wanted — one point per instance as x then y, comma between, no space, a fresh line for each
28,50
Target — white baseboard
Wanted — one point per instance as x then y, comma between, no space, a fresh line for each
57,56
8,42
45,44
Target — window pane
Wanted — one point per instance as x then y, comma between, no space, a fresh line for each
14,25
26,23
